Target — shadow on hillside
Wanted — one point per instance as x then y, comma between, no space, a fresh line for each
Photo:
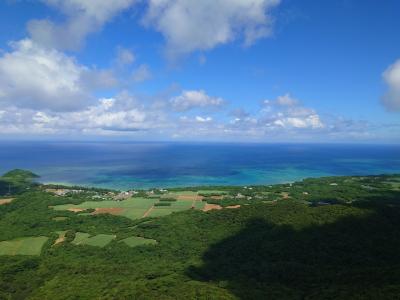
353,258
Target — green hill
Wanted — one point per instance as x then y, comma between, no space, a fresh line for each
20,175
16,182
327,238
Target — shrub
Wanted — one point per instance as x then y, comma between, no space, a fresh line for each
168,199
162,204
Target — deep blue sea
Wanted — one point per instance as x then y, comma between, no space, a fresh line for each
143,165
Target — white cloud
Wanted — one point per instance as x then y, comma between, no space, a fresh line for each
391,100
122,113
83,17
128,116
311,121
142,73
284,100
195,99
287,112
190,25
107,116
187,25
34,77
203,119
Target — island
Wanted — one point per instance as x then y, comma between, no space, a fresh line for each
319,238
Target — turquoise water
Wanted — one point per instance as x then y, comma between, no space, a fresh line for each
144,165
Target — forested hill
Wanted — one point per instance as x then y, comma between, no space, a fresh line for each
16,181
327,238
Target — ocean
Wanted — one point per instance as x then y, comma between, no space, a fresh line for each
128,165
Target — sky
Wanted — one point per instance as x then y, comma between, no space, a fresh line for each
210,70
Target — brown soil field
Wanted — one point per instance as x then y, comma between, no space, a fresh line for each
60,239
209,207
233,206
217,197
6,201
285,195
109,210
190,197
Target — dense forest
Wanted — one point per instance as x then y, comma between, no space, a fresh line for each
327,238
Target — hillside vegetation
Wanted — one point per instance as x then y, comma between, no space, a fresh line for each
16,182
327,238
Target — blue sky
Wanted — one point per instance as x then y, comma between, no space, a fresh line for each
242,70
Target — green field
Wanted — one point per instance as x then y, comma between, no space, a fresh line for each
23,246
135,208
132,208
179,205
199,205
140,203
60,218
211,192
134,241
394,183
160,212
100,240
179,193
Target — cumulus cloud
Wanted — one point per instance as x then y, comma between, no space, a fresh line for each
125,115
187,25
122,113
35,77
190,25
188,100
83,17
391,100
311,121
107,116
286,100
281,115
287,112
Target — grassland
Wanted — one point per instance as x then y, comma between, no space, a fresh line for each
23,246
100,240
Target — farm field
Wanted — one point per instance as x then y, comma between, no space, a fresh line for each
6,201
100,240
136,207
23,246
160,212
134,241
211,192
